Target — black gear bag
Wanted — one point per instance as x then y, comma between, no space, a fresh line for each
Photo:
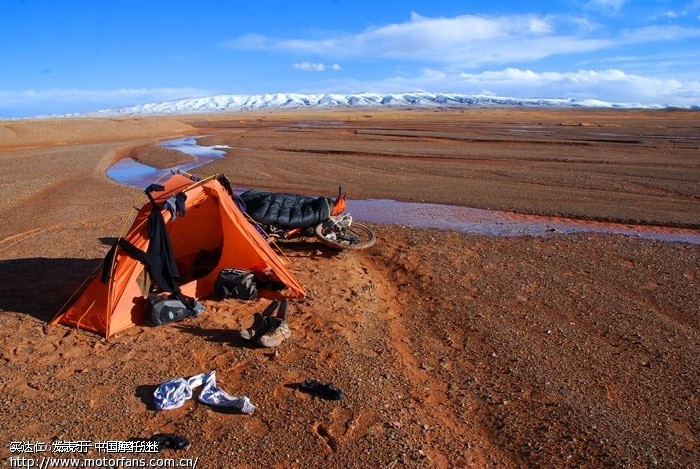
235,283
161,310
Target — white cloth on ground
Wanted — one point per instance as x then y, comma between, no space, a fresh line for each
174,392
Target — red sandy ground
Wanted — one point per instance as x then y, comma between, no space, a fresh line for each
453,350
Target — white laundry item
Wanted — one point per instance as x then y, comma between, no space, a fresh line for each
174,392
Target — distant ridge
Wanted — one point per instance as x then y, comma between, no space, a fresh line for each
239,102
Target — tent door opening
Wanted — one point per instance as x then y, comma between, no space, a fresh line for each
197,240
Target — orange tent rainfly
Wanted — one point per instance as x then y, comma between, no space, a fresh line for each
207,232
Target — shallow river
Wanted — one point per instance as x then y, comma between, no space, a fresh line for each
418,215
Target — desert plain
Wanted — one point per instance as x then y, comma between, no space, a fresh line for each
453,350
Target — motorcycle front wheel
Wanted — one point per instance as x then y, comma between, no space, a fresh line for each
357,236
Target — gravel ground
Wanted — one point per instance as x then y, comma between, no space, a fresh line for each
453,350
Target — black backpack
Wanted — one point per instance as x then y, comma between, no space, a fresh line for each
235,283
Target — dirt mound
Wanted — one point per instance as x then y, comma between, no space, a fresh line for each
158,157
32,133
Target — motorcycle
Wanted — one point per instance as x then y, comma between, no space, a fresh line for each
291,216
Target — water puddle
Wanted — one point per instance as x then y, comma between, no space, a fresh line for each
527,131
417,215
495,223
130,172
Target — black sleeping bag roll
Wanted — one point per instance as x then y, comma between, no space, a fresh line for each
286,210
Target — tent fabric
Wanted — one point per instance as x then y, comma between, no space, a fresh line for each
213,228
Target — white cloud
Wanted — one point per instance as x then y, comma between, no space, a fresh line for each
670,14
309,67
607,85
469,40
606,5
139,94
32,102
249,41
659,33
312,67
474,41
663,63
691,8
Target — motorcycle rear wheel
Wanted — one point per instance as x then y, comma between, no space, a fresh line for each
358,236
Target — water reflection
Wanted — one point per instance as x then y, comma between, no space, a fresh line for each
496,223
130,172
417,215
189,145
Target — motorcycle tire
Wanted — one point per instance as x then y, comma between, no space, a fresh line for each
360,237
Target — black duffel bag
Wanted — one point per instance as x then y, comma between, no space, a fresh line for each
161,310
235,283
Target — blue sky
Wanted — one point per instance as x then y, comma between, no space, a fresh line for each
63,56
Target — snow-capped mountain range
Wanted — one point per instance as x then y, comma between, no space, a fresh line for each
239,102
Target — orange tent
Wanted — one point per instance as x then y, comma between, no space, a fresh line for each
213,228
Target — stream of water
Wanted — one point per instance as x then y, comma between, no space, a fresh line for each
418,215
130,172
